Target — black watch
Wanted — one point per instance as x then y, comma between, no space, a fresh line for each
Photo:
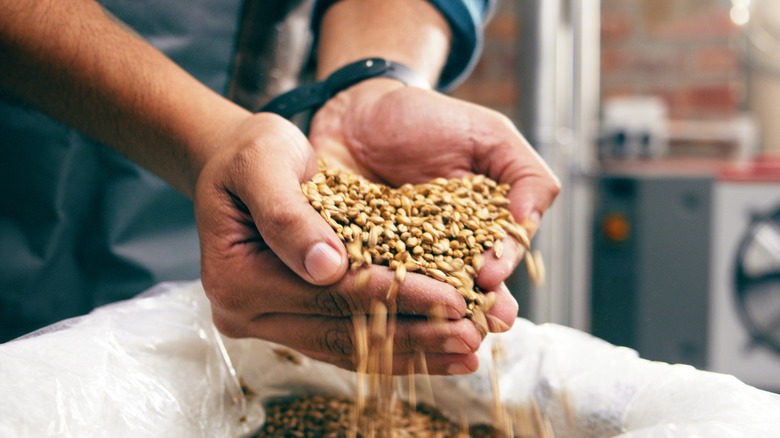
315,94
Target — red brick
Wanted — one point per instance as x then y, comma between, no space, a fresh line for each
712,23
611,60
719,96
492,94
718,59
608,92
495,63
616,25
644,61
502,27
680,52
698,101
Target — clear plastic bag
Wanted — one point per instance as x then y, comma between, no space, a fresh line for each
155,366
150,366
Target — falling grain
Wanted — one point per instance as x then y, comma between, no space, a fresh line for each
439,229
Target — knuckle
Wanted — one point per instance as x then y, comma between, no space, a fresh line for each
244,161
346,363
337,341
499,122
504,120
330,302
280,216
468,333
228,327
555,186
223,299
406,341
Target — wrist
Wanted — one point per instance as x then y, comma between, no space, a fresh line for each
411,32
345,115
315,94
211,130
359,98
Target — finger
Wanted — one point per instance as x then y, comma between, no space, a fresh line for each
269,286
506,156
503,312
497,269
530,197
434,364
534,187
333,339
270,187
230,248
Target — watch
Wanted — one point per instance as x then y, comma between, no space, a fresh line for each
315,94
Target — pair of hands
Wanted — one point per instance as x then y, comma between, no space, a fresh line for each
275,270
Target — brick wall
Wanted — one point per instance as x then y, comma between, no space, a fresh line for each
684,51
493,82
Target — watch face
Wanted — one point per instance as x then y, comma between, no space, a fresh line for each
758,279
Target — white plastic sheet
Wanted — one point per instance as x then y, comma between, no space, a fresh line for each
144,367
155,366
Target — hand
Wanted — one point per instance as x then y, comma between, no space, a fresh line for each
274,269
395,134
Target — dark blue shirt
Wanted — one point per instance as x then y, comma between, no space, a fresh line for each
466,19
81,226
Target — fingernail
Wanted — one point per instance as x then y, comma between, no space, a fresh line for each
531,223
457,368
495,325
322,261
455,345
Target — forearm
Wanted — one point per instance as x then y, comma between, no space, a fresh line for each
408,31
67,59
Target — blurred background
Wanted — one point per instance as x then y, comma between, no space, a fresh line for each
662,120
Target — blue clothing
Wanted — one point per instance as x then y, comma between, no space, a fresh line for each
466,19
81,226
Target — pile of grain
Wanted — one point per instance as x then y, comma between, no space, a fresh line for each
333,416
439,229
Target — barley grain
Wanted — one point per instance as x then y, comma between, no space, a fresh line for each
498,249
439,229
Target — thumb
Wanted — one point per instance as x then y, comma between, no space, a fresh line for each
262,176
300,237
534,186
295,231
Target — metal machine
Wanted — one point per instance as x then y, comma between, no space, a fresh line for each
650,268
744,328
686,268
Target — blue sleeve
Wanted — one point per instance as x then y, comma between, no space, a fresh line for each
466,19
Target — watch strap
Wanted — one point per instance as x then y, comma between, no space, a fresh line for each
315,94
